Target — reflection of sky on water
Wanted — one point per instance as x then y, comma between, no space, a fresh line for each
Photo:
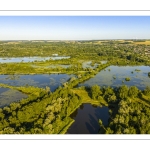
86,119
52,80
105,78
30,59
87,64
8,96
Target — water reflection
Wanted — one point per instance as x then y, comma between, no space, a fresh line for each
43,80
114,76
86,119
8,96
30,59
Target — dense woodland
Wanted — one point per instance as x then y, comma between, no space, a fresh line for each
46,112
131,112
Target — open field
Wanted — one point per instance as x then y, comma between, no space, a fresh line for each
145,43
86,99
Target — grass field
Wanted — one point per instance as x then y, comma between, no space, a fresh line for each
145,43
86,99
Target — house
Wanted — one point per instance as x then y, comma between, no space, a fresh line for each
54,54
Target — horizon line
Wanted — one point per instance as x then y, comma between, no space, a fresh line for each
77,40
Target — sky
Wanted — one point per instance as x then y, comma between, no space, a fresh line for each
74,27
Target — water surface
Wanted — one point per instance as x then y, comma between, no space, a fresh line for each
86,119
114,76
8,96
88,64
30,59
51,80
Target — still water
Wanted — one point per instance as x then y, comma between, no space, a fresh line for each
8,96
86,119
51,80
114,76
30,59
88,64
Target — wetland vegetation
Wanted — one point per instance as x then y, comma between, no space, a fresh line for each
105,82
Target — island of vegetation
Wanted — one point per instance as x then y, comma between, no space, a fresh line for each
47,112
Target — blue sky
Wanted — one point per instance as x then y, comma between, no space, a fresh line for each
74,27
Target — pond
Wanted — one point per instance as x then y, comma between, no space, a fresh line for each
103,61
114,76
51,80
86,119
88,64
8,96
29,59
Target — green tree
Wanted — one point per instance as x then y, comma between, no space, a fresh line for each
112,98
48,89
123,92
2,116
14,106
133,91
6,110
95,91
8,130
147,91
149,74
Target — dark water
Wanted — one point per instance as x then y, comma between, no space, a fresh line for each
3,90
86,119
53,80
8,96
106,77
30,59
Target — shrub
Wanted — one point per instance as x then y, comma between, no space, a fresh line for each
127,79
